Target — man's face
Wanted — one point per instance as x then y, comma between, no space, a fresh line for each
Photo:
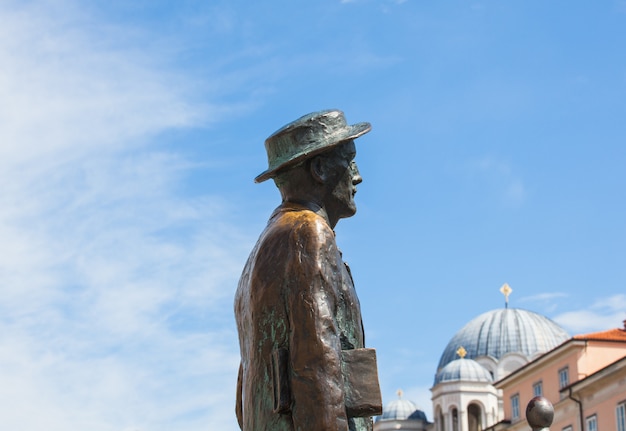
342,181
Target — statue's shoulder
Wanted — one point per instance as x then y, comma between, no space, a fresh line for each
300,218
301,225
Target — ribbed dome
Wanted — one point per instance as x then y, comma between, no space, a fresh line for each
398,410
503,331
466,370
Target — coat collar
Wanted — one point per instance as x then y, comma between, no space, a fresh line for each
293,205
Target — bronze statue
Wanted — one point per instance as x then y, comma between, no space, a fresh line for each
303,361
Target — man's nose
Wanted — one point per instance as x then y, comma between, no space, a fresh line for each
356,176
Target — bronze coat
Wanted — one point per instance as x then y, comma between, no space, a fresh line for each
297,294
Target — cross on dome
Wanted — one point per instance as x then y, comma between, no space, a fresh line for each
506,291
461,352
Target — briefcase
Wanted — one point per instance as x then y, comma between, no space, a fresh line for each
360,375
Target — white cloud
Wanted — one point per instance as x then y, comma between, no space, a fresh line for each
112,286
65,94
548,296
603,314
549,301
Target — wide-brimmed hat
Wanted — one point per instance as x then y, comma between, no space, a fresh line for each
306,137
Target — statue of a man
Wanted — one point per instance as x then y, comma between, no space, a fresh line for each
298,315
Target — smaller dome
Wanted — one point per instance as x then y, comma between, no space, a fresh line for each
399,409
463,370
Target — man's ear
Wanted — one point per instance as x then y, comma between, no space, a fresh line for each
318,170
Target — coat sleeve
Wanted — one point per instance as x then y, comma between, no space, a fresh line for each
312,286
238,406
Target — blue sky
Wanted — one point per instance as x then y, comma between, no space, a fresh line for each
130,134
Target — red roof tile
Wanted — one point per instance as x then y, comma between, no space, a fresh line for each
616,334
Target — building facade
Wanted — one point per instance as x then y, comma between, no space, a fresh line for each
584,378
500,360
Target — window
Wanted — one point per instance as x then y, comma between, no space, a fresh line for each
620,414
442,422
515,407
474,417
538,389
592,423
563,377
455,420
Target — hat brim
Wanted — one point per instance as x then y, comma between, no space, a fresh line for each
349,133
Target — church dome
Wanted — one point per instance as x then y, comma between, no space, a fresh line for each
465,370
399,409
507,330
